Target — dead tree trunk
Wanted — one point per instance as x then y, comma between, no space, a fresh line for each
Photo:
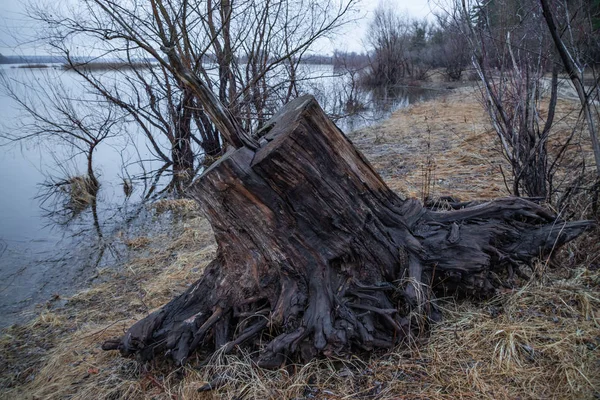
316,255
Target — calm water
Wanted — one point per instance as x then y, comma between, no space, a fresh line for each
40,254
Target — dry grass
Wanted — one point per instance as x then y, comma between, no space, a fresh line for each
461,151
539,341
82,191
138,242
180,206
450,144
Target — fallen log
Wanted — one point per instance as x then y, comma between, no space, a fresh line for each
316,255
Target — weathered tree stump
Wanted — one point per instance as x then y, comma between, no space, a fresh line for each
316,255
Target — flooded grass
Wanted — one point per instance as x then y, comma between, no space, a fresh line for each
82,191
538,340
127,187
67,198
179,206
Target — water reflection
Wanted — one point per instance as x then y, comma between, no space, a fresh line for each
75,203
383,101
92,223
352,106
65,199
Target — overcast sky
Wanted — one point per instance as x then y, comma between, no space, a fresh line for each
13,23
17,32
354,37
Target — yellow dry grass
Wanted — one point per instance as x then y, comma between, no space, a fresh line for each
181,206
541,341
82,191
451,142
451,132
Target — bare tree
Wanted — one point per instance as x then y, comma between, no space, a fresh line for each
403,48
389,38
249,41
157,108
573,66
78,126
56,114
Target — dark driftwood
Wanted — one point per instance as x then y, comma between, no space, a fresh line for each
316,255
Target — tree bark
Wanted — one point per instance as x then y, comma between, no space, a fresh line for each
182,153
316,255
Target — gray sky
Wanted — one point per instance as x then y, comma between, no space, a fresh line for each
354,37
17,32
13,23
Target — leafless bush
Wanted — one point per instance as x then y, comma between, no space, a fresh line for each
514,55
173,64
511,55
575,53
388,36
450,46
407,49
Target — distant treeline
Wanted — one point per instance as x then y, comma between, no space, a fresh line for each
100,66
31,59
95,63
33,66
40,60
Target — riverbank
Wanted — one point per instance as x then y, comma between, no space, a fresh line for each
539,340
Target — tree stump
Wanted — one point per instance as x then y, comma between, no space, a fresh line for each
316,255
